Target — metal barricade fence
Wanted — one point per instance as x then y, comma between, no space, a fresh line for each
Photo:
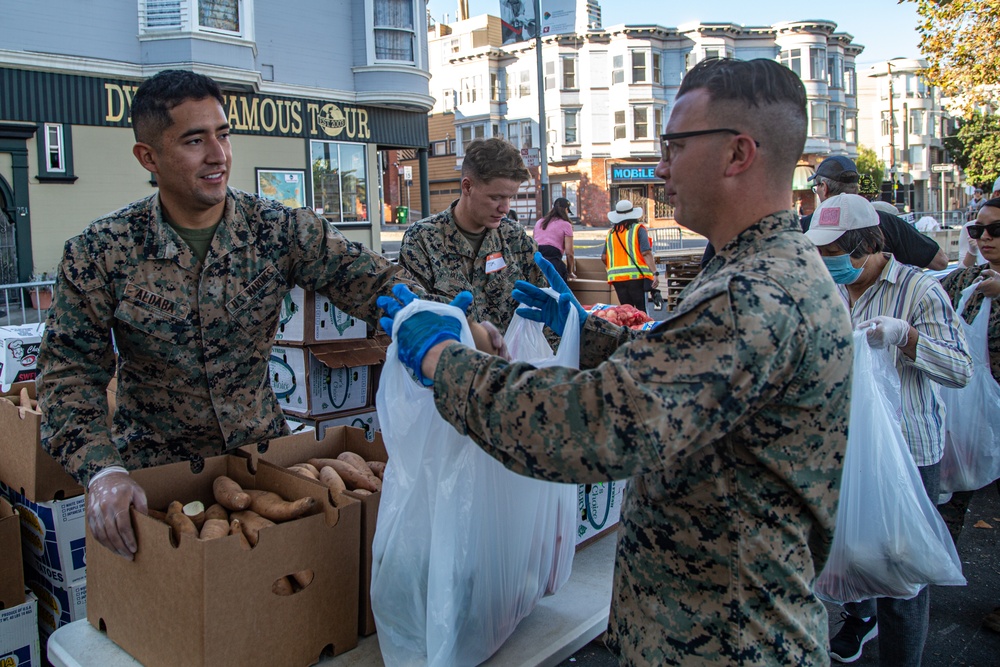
664,239
25,303
944,218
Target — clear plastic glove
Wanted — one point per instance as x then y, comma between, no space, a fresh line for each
541,307
421,331
886,331
108,500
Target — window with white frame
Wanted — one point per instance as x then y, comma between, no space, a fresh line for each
792,59
640,123
712,53
888,123
851,128
439,148
836,124
448,99
452,46
619,125
339,173
617,69
569,72
570,118
55,159
817,114
657,121
495,87
835,70
638,66
917,157
917,121
470,88
519,133
850,81
817,63
524,83
550,75
395,34
227,17
469,133
657,62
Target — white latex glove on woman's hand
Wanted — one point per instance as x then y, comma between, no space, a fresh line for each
886,331
108,500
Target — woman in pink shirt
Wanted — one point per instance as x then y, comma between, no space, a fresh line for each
554,236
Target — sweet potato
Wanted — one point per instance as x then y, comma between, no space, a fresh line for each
303,471
362,492
229,494
282,586
179,522
236,528
214,528
319,464
377,468
308,466
303,578
251,523
157,514
216,511
272,506
195,510
355,460
332,480
354,478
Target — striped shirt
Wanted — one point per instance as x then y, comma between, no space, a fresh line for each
942,355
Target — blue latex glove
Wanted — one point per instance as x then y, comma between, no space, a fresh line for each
421,331
541,307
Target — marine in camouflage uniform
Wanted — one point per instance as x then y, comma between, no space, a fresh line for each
729,420
436,253
194,340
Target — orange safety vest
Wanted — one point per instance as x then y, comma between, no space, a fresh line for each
625,264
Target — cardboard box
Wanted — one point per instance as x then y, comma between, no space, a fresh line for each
24,465
297,448
19,645
11,565
600,507
53,538
211,602
591,292
591,268
307,317
366,420
19,354
57,606
325,379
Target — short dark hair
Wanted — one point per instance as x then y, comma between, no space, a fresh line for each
486,159
861,242
163,91
763,97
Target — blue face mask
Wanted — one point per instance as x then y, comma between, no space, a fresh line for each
841,269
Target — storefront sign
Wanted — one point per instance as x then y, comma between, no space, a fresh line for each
84,100
634,173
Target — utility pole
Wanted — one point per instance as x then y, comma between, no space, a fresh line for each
543,160
892,137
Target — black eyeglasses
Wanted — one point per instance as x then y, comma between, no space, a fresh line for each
976,231
665,139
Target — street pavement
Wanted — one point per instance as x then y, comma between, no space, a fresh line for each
956,637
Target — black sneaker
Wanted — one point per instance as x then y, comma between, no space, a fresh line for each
854,633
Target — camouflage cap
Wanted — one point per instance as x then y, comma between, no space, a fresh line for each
867,187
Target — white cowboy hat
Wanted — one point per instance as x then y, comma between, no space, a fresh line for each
624,210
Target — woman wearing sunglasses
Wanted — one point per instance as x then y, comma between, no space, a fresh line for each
985,231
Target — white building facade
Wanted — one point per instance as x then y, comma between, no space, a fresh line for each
607,95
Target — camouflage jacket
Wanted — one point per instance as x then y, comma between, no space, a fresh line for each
730,421
436,253
193,340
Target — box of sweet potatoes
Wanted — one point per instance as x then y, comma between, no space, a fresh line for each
235,562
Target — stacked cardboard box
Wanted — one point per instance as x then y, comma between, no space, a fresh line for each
51,509
19,353
19,643
591,285
324,365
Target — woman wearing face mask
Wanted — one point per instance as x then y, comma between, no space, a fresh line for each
908,312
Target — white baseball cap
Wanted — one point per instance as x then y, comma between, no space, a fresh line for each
839,214
996,185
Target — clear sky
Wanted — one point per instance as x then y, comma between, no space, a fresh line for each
886,29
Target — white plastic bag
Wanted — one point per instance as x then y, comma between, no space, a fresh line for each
972,441
889,540
464,548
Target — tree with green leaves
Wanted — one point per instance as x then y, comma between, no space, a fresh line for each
869,163
959,40
975,147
